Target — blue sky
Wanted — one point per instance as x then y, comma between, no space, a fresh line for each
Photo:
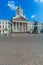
33,9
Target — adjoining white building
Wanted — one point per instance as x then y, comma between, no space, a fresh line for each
5,26
30,26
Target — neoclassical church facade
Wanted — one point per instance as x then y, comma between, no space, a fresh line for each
19,22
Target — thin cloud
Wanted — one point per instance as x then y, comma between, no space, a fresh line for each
41,0
32,16
11,5
38,1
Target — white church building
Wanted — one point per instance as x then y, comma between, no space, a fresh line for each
19,22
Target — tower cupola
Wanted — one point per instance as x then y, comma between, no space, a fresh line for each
19,11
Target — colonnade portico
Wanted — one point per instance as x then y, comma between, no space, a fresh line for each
19,22
19,27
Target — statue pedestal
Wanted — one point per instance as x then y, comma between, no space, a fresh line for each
35,32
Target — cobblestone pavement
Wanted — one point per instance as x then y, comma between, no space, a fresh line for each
21,50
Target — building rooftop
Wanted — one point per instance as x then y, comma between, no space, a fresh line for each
20,18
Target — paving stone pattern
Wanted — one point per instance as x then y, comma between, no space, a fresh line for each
21,50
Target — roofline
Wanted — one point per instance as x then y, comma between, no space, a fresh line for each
4,20
20,21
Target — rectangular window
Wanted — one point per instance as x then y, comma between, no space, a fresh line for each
6,23
3,26
5,29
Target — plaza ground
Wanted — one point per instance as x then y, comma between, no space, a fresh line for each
21,50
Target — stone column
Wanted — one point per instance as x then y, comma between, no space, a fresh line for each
1,28
12,27
16,26
25,27
22,27
19,26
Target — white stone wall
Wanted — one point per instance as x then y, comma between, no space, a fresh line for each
5,27
30,26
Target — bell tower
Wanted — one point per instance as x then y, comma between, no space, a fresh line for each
19,11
